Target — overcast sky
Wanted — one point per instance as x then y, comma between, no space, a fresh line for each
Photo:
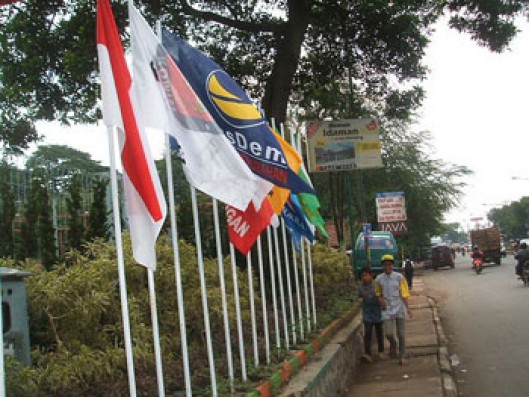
476,109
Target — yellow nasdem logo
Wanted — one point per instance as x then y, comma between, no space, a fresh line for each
233,106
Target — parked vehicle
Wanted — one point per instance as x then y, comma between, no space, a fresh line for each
489,242
380,243
442,256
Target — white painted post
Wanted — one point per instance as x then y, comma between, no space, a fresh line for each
198,241
242,356
263,299
177,271
252,308
227,335
273,282
121,267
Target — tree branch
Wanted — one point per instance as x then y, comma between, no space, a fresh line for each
254,27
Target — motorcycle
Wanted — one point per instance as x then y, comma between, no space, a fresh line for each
525,273
477,265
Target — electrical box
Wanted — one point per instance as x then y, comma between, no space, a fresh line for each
15,314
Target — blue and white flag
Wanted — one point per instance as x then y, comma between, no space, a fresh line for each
296,222
242,123
167,102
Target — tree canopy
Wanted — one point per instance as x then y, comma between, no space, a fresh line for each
512,219
283,51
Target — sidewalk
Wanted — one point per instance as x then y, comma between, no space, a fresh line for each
428,373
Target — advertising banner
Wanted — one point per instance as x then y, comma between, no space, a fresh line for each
391,207
342,145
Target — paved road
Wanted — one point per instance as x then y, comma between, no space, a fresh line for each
486,319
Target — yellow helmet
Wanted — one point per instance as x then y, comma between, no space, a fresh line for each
387,258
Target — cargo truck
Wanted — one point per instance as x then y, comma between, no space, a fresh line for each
489,242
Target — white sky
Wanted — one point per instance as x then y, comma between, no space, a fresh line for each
475,108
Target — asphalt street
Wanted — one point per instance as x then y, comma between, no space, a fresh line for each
486,319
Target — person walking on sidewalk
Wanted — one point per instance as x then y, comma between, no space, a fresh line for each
371,313
392,291
408,272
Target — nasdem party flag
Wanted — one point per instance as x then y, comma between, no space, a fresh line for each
237,116
245,226
145,202
168,103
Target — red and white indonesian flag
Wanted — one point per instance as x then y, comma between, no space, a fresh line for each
145,202
211,164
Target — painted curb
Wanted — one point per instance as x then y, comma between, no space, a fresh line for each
447,373
292,365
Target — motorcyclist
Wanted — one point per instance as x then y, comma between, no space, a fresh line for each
475,254
522,254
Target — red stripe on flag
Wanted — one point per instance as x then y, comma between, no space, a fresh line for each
6,2
133,155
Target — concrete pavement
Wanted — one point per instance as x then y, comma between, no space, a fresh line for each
428,372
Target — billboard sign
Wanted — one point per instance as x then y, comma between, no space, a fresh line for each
343,145
391,207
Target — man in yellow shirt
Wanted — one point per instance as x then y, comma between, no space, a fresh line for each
392,291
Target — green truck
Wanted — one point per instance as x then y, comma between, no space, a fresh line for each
379,243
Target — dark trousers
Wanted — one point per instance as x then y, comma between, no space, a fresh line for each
409,279
368,334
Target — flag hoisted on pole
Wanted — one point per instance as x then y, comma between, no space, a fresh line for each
242,123
145,202
245,226
296,222
210,162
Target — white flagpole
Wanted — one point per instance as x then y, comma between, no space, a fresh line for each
178,274
156,333
242,356
211,360
121,267
252,308
227,335
289,284
281,290
2,365
311,280
263,299
305,286
298,293
287,268
273,282
297,145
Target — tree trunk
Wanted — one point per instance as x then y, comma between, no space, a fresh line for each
279,84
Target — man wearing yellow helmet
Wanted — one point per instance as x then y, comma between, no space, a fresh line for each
392,290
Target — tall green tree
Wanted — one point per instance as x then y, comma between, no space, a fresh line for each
76,230
281,51
37,233
512,219
7,212
98,215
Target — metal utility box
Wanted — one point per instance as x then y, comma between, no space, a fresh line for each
15,314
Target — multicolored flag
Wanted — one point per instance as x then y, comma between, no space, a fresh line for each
145,202
245,226
244,126
296,222
210,162
311,205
